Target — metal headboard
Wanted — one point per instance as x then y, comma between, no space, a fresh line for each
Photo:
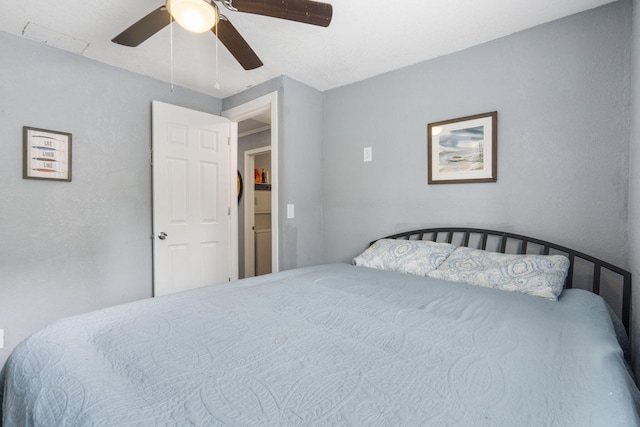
585,272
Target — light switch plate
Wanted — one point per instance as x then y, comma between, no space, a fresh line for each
368,154
1,338
290,211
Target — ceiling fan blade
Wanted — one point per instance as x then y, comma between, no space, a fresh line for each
305,11
144,28
236,44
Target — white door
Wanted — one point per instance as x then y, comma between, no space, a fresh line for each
192,210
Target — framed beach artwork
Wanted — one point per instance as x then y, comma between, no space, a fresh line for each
46,154
463,150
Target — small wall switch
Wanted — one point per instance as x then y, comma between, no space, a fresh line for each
290,211
1,338
368,154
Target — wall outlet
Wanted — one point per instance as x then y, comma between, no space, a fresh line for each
368,154
1,338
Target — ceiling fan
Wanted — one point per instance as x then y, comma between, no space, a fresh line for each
199,16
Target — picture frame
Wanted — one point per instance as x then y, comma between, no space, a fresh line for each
46,154
463,150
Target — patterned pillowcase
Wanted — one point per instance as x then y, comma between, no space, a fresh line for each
538,275
417,257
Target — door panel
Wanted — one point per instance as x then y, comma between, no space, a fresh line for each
191,199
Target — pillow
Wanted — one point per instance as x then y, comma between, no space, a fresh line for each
407,256
538,275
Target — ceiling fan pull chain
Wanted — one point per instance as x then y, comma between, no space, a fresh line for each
171,49
217,85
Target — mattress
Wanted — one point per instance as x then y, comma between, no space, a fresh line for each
328,345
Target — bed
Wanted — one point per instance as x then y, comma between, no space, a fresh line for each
384,340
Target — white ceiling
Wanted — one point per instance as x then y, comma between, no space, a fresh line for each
365,38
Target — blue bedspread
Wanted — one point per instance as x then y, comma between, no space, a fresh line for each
328,345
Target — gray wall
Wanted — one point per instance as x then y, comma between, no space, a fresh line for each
300,165
634,185
72,247
561,91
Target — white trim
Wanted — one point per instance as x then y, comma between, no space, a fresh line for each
233,200
246,111
256,130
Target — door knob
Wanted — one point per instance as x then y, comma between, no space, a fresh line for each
162,235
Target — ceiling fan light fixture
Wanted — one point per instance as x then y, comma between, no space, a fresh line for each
197,16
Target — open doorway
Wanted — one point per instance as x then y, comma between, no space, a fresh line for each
257,167
255,240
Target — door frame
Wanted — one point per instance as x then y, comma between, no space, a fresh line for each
246,111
